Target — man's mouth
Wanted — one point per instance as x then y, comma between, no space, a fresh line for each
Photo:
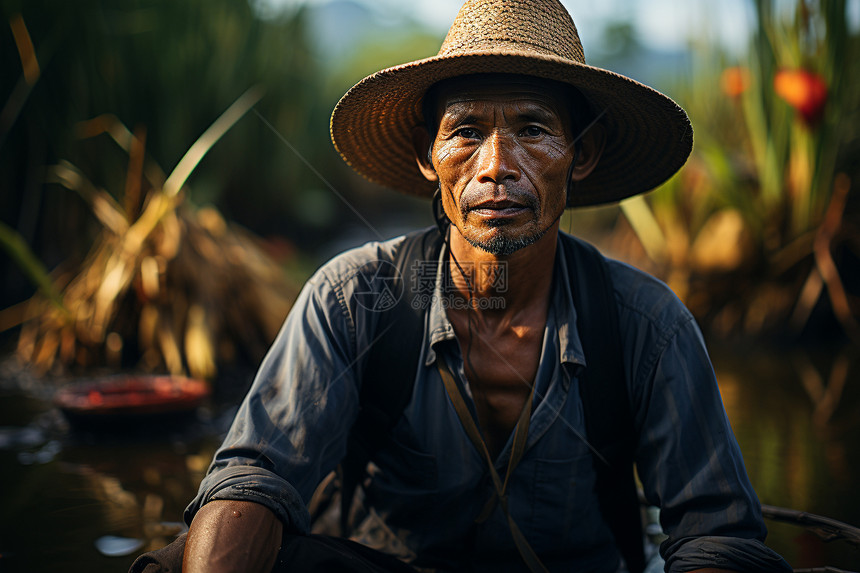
503,208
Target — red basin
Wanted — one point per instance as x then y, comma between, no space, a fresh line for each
135,395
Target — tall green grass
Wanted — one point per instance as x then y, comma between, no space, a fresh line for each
754,194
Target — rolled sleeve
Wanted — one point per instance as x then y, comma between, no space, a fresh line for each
687,457
732,553
251,483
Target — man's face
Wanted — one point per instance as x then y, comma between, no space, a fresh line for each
503,153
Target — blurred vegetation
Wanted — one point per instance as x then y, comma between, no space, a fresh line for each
168,69
759,231
171,67
164,287
83,78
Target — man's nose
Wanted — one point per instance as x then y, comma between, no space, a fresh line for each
497,161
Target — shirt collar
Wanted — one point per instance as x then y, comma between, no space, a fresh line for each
569,342
562,313
439,328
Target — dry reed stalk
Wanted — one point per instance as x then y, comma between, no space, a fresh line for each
181,290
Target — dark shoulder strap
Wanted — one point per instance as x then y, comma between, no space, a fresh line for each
606,403
392,360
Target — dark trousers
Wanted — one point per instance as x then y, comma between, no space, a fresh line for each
299,553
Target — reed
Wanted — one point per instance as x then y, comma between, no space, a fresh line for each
165,286
747,232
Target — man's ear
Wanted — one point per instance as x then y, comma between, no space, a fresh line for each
592,143
421,146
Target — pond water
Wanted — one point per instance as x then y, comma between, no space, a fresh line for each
85,502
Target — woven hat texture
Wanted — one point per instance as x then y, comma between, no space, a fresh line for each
649,136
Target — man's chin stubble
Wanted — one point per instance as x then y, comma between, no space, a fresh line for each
502,245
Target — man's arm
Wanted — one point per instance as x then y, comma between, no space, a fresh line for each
272,457
292,427
232,536
687,457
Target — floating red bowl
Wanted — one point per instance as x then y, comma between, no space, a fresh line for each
130,396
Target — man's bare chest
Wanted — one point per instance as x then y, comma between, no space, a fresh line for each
500,370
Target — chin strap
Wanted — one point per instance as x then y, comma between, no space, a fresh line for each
443,224
500,496
439,216
576,148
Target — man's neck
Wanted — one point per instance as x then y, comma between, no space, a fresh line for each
522,279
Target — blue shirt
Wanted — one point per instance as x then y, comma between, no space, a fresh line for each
430,483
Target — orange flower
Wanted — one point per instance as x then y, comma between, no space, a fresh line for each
805,91
735,80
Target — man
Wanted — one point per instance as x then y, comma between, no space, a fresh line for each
489,466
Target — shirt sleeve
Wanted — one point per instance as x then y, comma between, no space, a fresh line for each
687,457
292,426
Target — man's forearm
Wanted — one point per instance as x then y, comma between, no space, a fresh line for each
232,536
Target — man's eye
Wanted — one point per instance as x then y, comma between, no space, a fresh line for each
468,133
533,131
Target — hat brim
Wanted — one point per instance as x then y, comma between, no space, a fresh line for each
649,136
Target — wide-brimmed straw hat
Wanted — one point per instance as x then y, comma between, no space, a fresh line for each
649,136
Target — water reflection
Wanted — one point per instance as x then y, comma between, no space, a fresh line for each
92,503
795,414
81,501
113,546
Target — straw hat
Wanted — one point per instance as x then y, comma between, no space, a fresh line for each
648,135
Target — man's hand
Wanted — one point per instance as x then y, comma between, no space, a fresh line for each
232,536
